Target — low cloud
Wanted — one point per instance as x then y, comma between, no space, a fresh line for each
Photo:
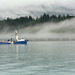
64,29
35,11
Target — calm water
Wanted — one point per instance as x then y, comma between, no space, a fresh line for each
38,58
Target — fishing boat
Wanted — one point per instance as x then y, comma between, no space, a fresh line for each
16,41
21,41
6,42
1,42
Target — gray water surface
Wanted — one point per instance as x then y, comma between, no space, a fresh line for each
38,58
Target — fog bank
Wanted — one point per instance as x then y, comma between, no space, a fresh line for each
64,29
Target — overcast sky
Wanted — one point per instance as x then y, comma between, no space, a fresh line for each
16,3
13,8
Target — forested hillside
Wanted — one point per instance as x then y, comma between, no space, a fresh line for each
30,21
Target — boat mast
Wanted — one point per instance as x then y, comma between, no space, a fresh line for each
16,35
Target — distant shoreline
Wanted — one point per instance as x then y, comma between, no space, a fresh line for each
45,39
53,39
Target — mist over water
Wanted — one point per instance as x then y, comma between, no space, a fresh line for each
64,29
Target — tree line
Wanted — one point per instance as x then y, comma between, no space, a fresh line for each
30,21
